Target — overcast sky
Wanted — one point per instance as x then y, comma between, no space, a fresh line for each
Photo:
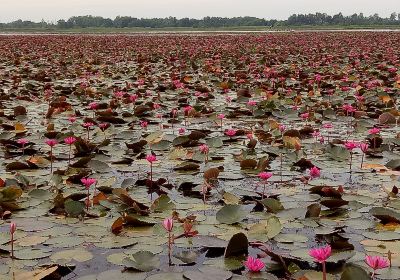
278,9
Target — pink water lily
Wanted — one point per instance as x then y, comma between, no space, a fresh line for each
376,262
87,182
350,145
374,131
305,116
252,103
143,124
133,98
93,105
181,130
69,141
254,264
72,119
168,225
230,132
314,172
204,149
119,94
264,176
87,124
23,142
348,109
364,148
321,255
13,228
51,143
327,125
151,158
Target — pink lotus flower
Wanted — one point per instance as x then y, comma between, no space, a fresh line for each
174,112
305,116
186,109
374,131
87,125
168,224
181,131
93,105
251,103
265,175
230,132
72,119
221,116
282,128
254,264
13,227
87,182
315,134
133,98
327,126
350,145
348,108
143,124
318,77
151,158
70,140
119,94
363,147
204,149
103,126
22,141
249,136
314,172
321,254
51,142
376,262
156,106
359,98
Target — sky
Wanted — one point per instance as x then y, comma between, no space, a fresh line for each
52,10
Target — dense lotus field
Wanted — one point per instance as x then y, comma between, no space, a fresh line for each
256,156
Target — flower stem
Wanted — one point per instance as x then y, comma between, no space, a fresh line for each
169,248
51,160
12,245
281,168
88,200
323,271
69,155
362,160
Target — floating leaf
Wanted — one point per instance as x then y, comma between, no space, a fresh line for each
231,214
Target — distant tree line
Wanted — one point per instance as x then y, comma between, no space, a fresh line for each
317,19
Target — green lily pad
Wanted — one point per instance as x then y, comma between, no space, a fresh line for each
142,261
79,255
231,214
207,273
